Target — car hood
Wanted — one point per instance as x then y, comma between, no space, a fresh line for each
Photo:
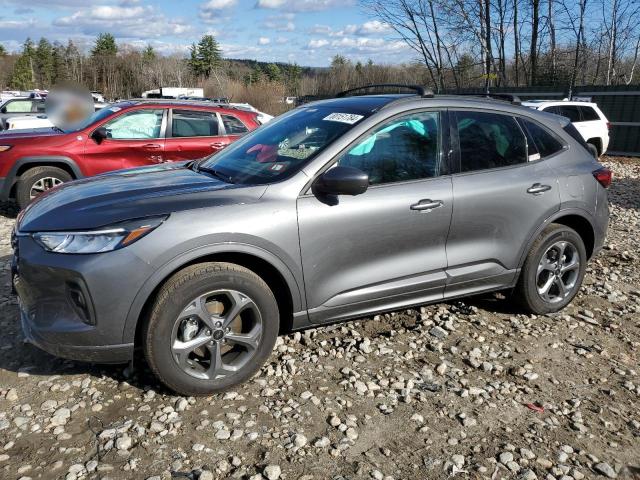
128,194
28,133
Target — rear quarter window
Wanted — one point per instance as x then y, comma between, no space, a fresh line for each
589,114
545,142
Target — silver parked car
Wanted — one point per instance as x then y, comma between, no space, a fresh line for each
336,210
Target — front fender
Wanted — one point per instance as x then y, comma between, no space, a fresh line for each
53,160
190,256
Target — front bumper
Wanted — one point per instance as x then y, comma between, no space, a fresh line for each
75,306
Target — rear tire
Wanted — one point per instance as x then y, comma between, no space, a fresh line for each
197,306
553,270
37,180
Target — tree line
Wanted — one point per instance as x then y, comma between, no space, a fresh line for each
457,44
488,43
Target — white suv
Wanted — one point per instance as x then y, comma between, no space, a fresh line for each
585,116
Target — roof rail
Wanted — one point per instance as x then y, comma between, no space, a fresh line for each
418,89
506,97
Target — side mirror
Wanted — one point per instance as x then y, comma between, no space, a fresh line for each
99,134
3,110
342,180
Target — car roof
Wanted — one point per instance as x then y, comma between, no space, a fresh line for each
540,103
168,103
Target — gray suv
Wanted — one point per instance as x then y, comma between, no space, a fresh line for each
336,210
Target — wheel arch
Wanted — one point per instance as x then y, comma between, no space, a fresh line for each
271,269
576,219
596,142
25,163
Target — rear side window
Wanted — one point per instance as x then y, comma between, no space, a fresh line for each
572,112
489,140
191,123
589,114
544,141
233,126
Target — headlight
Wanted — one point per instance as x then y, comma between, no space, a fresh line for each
4,148
98,241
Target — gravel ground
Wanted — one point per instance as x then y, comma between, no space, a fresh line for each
470,389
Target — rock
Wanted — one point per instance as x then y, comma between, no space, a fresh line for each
299,440
124,442
505,457
206,475
272,472
458,461
181,404
12,395
605,469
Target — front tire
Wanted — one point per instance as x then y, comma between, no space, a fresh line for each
36,181
212,326
553,270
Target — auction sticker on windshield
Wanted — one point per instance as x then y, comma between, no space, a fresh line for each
349,118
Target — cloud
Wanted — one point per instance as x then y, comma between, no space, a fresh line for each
280,23
264,41
370,28
138,21
313,44
302,5
210,12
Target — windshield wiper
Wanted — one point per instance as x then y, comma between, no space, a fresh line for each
216,173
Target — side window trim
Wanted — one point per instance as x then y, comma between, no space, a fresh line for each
306,190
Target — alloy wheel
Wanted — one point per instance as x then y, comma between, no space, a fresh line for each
558,272
216,334
43,185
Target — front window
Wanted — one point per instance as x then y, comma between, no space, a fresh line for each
19,106
283,146
403,149
138,124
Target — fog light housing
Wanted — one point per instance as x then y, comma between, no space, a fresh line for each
79,300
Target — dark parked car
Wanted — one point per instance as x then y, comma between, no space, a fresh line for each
20,107
335,210
122,135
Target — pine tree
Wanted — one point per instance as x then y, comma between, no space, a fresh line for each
148,55
205,57
44,63
105,46
273,72
23,77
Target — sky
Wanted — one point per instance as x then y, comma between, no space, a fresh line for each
308,32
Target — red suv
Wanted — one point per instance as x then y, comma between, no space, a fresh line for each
122,135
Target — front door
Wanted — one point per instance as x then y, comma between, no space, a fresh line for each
386,247
503,191
134,139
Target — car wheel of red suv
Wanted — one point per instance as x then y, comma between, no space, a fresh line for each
37,180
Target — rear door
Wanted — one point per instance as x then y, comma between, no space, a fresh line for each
193,134
591,125
385,247
135,139
502,192
233,126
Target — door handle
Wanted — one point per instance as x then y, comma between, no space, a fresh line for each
537,188
427,204
151,146
217,145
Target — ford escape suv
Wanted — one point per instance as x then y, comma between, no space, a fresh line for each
335,210
122,135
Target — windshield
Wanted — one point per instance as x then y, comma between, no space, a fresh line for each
283,146
94,117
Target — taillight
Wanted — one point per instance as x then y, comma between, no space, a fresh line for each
603,176
608,125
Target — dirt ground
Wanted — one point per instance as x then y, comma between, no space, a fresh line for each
470,389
